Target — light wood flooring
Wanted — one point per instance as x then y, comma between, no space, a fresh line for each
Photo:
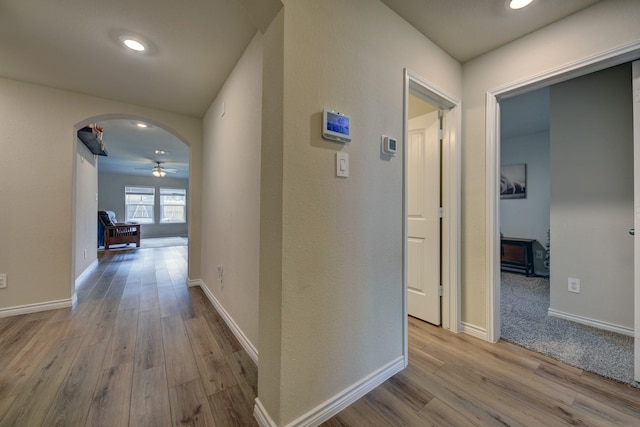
142,349
139,349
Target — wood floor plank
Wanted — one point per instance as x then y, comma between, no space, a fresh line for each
458,397
102,326
440,414
149,350
167,301
246,373
112,397
123,338
29,408
190,406
215,372
73,400
21,367
231,408
148,297
179,359
17,336
150,399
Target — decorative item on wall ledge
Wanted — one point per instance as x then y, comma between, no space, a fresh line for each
91,136
513,181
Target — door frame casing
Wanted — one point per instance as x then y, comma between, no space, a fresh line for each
450,187
606,59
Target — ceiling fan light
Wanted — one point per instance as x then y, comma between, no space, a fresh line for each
162,173
156,173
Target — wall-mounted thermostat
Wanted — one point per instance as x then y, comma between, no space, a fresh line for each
389,145
336,126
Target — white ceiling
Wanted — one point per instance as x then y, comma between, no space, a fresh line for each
132,150
469,28
73,45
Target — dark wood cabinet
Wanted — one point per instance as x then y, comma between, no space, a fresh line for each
517,255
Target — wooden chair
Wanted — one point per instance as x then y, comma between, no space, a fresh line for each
111,232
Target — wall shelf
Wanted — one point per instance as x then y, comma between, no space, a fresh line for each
89,139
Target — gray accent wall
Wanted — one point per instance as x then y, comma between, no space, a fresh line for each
111,197
528,218
592,196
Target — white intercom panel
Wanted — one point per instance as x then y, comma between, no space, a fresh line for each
336,126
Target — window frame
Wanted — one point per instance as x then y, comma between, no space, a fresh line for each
130,190
178,191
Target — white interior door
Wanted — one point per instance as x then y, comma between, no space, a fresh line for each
423,192
636,221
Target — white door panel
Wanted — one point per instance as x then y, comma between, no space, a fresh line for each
423,192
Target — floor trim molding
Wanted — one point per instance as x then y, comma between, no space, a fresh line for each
474,331
82,276
337,403
41,306
237,332
611,327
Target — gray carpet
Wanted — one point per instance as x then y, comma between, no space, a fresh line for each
525,301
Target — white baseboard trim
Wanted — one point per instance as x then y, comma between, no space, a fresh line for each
262,416
337,403
86,272
474,331
611,327
41,306
251,350
195,282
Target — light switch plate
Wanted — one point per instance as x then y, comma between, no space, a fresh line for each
3,280
342,165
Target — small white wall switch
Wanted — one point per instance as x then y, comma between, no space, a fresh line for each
3,280
342,165
574,285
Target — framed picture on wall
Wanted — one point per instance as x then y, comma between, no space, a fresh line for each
513,181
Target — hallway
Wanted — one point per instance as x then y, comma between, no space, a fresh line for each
139,349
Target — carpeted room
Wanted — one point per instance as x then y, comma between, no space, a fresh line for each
580,217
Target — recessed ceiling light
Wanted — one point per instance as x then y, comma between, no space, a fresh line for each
142,125
134,44
161,152
519,4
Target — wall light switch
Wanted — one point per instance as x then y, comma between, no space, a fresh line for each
3,280
342,165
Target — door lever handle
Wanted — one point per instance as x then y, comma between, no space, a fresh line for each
632,231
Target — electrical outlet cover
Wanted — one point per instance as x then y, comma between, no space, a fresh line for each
574,285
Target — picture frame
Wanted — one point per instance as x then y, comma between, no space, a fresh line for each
513,181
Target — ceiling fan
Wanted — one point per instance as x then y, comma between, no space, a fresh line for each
160,171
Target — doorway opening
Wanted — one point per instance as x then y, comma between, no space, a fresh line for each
493,108
431,198
134,146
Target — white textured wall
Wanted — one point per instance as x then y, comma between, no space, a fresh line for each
527,218
606,25
37,134
231,191
340,310
592,195
111,198
85,205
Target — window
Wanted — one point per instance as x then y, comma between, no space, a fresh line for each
173,202
139,203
